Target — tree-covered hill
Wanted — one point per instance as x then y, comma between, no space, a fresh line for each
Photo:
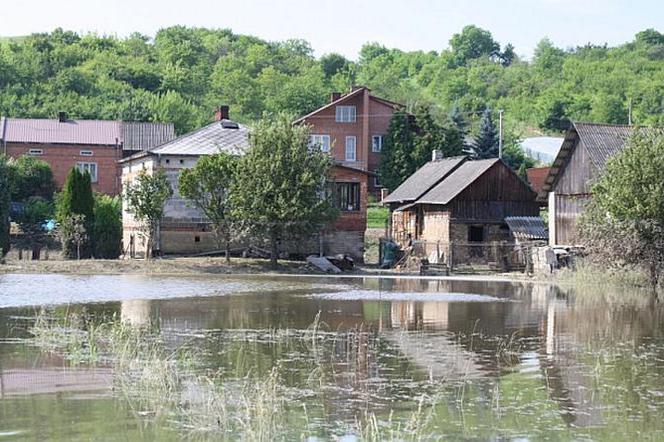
181,74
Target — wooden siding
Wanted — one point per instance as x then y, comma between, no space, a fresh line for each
578,173
491,211
568,210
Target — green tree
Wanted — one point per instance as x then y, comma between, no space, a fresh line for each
396,164
4,206
333,64
146,197
207,185
107,227
431,134
76,198
486,142
36,211
30,177
473,43
72,230
624,223
280,182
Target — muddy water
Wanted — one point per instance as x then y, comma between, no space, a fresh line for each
491,360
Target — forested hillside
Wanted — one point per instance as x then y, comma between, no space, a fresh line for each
181,74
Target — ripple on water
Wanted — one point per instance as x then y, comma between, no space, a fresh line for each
376,295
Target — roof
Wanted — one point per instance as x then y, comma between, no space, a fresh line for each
601,142
356,92
527,227
457,181
144,136
90,132
423,179
208,140
537,176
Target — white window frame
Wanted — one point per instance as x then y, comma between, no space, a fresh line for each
346,114
348,150
35,152
321,140
378,149
86,153
89,167
376,180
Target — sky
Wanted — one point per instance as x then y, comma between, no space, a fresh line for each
343,26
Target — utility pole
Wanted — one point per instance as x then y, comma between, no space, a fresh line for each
500,133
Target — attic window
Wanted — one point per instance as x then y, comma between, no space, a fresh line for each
35,152
86,153
228,124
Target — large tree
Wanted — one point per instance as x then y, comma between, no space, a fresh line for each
485,144
207,185
279,190
624,223
107,227
30,177
473,43
146,197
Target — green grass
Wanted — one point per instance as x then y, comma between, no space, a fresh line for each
377,217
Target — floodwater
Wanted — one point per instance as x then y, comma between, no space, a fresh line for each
481,360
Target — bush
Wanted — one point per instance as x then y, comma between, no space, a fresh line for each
107,227
76,198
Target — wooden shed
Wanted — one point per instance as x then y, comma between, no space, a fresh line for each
580,161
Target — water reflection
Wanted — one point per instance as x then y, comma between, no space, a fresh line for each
535,358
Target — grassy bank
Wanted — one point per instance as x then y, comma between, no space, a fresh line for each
377,217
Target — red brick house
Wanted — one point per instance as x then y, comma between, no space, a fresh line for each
352,127
92,145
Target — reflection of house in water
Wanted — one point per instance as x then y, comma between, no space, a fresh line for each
136,312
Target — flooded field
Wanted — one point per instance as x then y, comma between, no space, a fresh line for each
300,358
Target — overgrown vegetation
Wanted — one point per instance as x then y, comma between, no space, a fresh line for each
624,223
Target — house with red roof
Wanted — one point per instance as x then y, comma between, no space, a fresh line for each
94,146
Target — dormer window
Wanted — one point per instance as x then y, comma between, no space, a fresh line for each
346,114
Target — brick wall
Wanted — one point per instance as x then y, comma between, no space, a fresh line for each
62,158
351,221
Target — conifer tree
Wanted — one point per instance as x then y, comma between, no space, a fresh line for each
486,143
76,198
395,166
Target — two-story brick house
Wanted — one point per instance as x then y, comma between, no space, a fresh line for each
352,127
95,146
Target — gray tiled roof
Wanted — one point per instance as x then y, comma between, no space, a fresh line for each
144,136
423,179
527,227
457,181
208,140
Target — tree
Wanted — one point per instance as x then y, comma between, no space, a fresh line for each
333,63
72,231
77,198
396,165
4,206
486,143
624,223
207,185
30,176
280,183
146,197
431,135
36,211
473,43
508,55
459,121
107,227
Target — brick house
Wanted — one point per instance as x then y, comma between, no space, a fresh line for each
184,230
92,145
352,127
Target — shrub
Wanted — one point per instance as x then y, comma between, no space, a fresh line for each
107,227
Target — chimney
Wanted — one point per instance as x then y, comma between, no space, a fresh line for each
436,155
221,113
62,117
334,96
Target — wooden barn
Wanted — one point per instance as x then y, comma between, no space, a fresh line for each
580,161
459,201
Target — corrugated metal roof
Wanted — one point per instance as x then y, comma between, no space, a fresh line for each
423,179
133,136
207,140
145,136
29,130
527,227
457,181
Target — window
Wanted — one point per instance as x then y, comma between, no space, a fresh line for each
320,140
345,114
35,152
475,233
90,168
347,196
376,143
86,153
377,180
351,153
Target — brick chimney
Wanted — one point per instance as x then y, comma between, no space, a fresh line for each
62,117
334,96
436,155
221,113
